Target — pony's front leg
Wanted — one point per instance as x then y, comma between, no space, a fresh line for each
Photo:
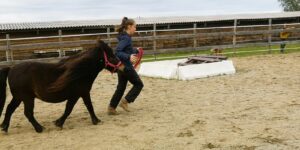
88,103
69,107
28,111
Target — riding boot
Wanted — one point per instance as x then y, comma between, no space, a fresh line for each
111,111
124,105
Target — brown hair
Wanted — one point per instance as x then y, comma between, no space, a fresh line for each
124,25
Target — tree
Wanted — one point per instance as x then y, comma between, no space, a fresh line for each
290,5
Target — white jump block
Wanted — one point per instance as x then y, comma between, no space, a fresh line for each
160,69
170,70
195,71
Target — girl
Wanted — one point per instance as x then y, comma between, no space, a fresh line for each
126,53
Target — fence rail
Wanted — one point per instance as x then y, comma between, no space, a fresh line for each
155,40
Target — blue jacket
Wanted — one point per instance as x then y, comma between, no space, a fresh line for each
124,50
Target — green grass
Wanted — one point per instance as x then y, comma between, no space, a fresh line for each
240,52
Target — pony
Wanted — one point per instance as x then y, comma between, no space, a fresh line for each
67,80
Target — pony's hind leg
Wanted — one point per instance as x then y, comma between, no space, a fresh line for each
69,107
28,111
9,111
88,103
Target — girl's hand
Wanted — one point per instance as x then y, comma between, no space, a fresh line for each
133,58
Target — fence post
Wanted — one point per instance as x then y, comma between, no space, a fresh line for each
234,36
195,36
270,36
9,55
61,52
108,36
154,40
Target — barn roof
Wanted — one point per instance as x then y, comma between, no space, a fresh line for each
142,21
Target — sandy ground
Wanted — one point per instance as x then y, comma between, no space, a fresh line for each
257,108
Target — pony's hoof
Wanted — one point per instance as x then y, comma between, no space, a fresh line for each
5,130
59,123
96,121
4,127
39,129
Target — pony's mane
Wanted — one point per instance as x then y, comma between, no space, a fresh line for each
73,57
99,44
77,67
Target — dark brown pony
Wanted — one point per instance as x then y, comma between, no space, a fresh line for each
69,79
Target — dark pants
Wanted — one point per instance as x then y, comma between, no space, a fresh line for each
123,78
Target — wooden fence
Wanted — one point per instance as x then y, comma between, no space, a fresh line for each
14,50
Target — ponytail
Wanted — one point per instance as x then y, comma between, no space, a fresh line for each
124,25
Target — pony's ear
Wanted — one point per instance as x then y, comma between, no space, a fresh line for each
99,42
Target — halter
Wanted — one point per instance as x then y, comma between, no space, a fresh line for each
107,63
139,56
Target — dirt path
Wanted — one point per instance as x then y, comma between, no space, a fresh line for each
257,108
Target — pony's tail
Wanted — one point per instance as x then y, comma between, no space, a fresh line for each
3,77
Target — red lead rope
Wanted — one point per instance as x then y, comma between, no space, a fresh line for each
139,56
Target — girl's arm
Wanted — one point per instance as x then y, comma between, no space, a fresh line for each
120,49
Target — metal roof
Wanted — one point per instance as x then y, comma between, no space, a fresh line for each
142,21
